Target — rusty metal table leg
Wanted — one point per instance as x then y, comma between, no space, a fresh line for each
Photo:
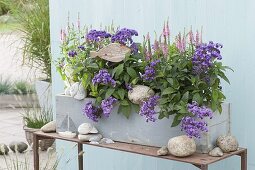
243,156
80,156
35,150
204,167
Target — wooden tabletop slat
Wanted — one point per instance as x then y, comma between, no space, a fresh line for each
196,159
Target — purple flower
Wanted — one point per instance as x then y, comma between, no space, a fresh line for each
128,86
199,112
96,36
81,47
147,108
204,55
124,36
91,111
107,105
192,127
103,77
72,53
134,48
150,71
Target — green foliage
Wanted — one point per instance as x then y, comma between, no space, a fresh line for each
22,87
3,8
37,117
175,81
5,86
33,19
18,87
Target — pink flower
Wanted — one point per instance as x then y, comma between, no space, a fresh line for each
164,48
191,37
197,42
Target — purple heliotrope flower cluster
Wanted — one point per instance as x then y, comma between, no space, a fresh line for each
107,105
124,36
204,55
91,111
150,71
94,112
147,108
200,112
72,53
104,77
96,36
194,125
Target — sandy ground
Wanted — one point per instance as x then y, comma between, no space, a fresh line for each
11,59
11,129
11,126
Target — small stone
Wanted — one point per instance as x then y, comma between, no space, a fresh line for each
90,137
140,93
181,146
67,134
162,151
81,93
49,127
94,143
227,143
67,91
106,141
74,89
94,130
86,128
216,152
18,146
3,149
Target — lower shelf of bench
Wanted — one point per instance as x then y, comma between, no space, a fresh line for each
196,159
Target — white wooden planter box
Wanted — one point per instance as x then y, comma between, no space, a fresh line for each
136,129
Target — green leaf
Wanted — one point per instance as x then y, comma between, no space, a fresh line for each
77,70
197,98
135,107
177,120
135,80
121,93
109,92
126,78
124,103
170,80
118,70
92,65
215,95
125,110
163,101
214,105
224,77
220,108
132,72
161,116
85,80
185,97
168,90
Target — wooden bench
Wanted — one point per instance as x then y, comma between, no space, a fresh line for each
201,161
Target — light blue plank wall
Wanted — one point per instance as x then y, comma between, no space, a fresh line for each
231,22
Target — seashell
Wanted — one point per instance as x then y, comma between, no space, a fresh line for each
81,93
74,89
67,134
